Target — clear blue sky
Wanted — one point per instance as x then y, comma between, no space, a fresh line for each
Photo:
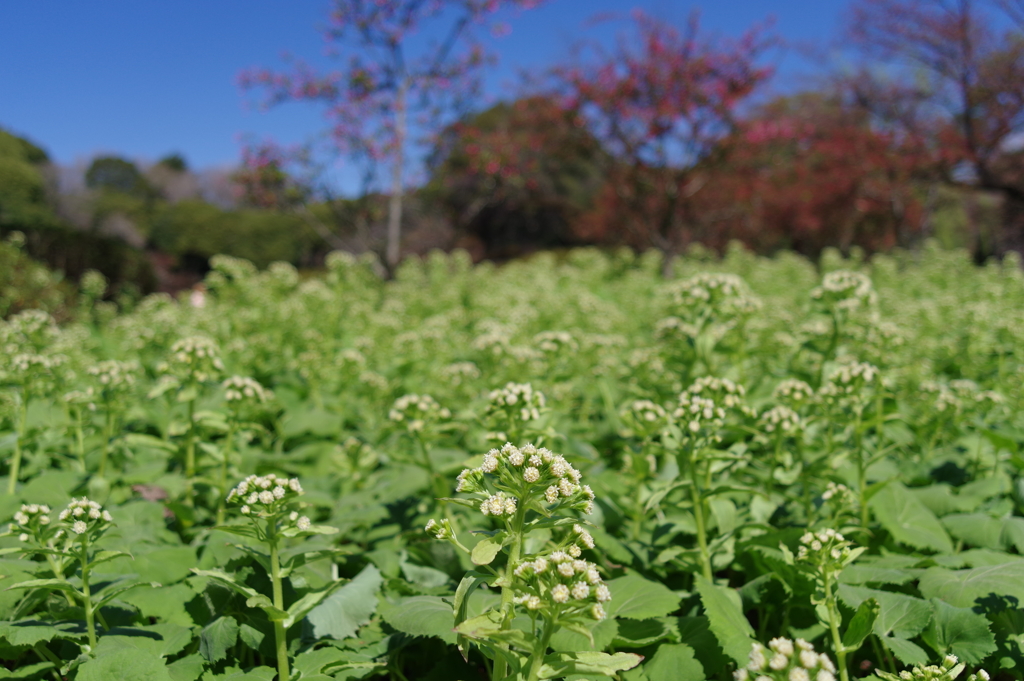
143,79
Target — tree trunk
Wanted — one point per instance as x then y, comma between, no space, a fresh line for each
1011,232
394,252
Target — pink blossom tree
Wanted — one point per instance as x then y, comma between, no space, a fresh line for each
392,70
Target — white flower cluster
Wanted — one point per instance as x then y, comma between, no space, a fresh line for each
559,582
844,289
793,393
27,367
959,395
263,496
418,411
459,372
535,474
847,383
554,342
949,669
644,418
31,518
825,548
83,515
242,390
781,419
195,358
519,401
840,492
710,289
441,529
113,375
695,414
786,660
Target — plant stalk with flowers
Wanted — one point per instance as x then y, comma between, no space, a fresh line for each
268,503
824,555
113,381
423,420
697,423
529,489
70,540
193,363
243,395
786,660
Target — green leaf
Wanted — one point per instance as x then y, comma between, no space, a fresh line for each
975,529
674,662
961,588
960,631
274,613
186,669
860,626
58,584
124,664
250,637
908,520
641,633
344,611
585,662
227,580
217,637
726,619
900,615
31,632
905,651
637,598
421,616
485,551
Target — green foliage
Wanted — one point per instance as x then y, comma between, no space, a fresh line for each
760,470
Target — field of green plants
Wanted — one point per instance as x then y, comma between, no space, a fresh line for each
566,467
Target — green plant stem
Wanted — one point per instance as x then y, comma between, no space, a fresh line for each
90,624
226,454
833,624
507,593
80,439
108,433
540,649
697,497
862,474
829,352
12,482
190,454
44,653
279,632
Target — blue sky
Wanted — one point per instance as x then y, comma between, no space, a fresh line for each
143,79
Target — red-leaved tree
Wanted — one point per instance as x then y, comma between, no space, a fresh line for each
809,171
960,90
387,78
660,104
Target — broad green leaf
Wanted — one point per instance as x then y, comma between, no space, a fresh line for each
162,640
236,674
487,627
274,613
166,603
217,637
300,608
870,574
187,668
31,632
641,633
422,576
28,671
861,625
899,615
344,611
124,665
905,651
485,551
637,598
975,529
250,636
585,662
726,618
601,634
908,520
960,631
674,662
421,616
961,588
